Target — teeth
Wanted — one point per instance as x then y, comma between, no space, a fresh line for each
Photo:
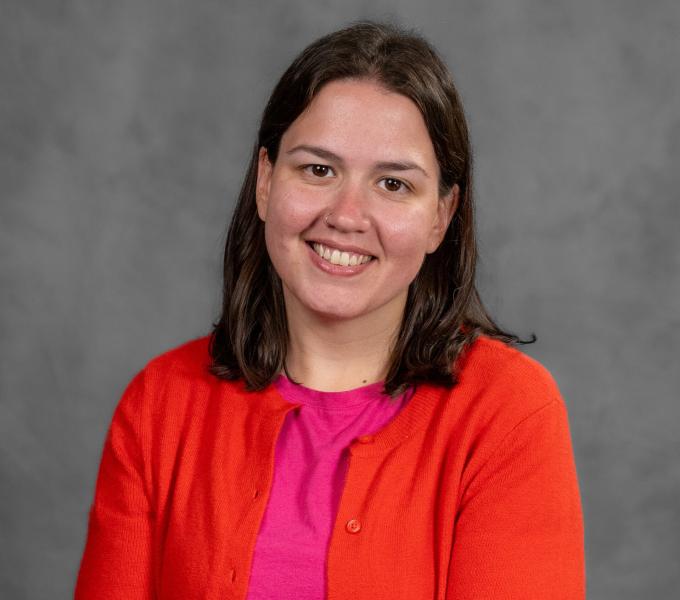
337,257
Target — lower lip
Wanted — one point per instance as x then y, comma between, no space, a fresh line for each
332,269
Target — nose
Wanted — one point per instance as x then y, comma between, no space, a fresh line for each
348,211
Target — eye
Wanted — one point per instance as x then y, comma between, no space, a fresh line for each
317,170
394,185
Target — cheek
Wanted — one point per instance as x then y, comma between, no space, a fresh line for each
289,215
406,236
293,211
405,246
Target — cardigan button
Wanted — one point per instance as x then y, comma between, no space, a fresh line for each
365,439
353,526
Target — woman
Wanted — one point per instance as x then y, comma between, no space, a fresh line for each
356,425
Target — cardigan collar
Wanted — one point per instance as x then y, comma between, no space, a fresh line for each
415,416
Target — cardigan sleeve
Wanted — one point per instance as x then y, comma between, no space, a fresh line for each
519,528
116,562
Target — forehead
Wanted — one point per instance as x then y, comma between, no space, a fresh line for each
361,120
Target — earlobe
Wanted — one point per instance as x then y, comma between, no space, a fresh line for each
446,208
264,174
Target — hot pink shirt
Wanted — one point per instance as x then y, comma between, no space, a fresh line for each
309,471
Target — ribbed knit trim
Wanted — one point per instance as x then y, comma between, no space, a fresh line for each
413,417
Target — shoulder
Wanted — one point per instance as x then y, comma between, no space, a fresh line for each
175,392
188,359
512,416
503,382
489,359
178,372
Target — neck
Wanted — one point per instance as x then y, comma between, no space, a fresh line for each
339,354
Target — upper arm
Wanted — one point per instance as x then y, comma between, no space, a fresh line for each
116,561
519,530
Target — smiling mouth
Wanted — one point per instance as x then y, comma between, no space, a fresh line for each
340,257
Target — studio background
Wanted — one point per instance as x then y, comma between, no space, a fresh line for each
125,130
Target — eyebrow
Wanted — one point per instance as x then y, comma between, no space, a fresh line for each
399,165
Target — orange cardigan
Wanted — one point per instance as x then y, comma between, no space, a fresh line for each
469,493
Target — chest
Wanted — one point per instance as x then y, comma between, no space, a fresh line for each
391,533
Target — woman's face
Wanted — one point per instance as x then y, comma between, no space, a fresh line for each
351,206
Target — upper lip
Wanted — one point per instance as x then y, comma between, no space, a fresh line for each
341,247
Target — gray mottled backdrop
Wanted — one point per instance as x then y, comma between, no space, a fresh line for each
125,130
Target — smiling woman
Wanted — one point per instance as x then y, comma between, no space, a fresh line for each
356,425
375,202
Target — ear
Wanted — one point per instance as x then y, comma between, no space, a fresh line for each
264,177
446,208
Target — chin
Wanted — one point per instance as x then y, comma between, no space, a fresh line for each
337,313
329,306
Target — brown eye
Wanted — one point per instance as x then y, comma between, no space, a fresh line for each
319,170
394,185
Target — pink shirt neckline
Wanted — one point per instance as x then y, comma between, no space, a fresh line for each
353,398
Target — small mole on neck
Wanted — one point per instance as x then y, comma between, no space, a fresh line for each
364,381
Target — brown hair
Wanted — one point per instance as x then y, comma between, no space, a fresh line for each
443,312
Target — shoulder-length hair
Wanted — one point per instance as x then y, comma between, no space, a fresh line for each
443,313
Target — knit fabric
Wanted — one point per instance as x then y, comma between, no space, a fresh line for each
310,462
467,493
